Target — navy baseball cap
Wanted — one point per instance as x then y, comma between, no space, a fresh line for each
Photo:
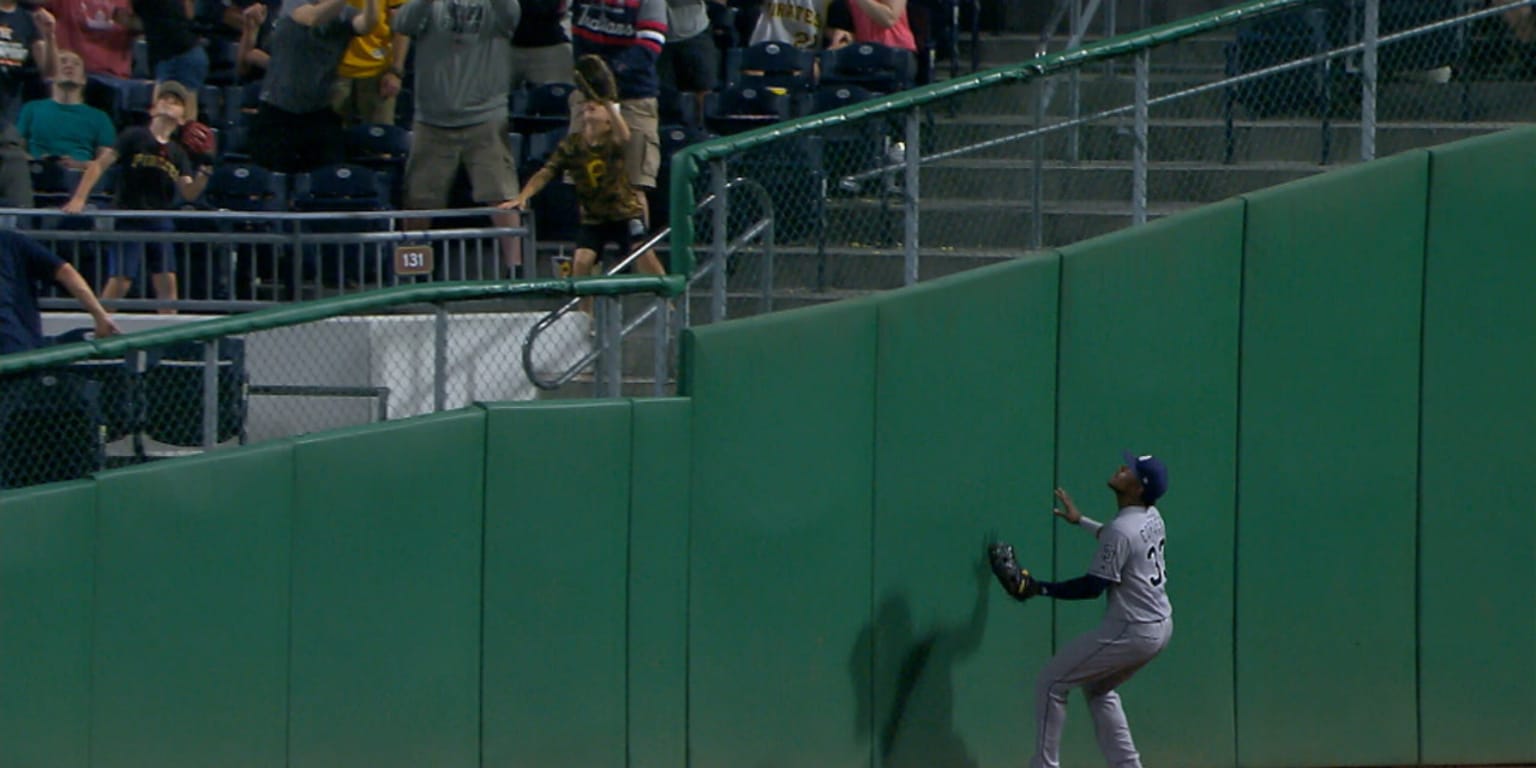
1151,472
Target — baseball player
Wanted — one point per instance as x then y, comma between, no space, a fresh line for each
1137,621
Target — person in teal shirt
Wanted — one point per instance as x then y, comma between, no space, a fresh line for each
65,127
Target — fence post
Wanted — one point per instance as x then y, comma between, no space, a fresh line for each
910,194
1037,177
717,255
1139,152
660,343
1368,72
440,357
210,393
610,340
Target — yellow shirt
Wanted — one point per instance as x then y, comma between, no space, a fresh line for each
370,55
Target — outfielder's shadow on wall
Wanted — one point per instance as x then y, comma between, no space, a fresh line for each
911,681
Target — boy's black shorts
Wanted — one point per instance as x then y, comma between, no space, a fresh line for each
624,234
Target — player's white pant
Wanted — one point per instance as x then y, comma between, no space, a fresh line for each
1098,661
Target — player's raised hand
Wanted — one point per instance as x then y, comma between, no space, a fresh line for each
1067,511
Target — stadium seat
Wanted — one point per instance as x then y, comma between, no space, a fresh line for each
850,148
173,393
239,269
342,188
740,108
50,428
771,64
246,187
872,66
543,107
383,148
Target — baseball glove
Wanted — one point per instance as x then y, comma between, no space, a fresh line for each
595,79
199,141
1005,566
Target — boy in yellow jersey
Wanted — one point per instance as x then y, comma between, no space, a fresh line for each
371,71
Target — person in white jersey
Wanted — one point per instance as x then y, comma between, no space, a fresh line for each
1138,619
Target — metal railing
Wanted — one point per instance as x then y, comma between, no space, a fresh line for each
610,327
235,261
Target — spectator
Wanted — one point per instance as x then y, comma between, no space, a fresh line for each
611,208
251,54
152,170
883,22
175,51
801,23
541,47
15,170
64,128
372,71
101,32
295,129
689,62
628,37
26,43
463,72
24,266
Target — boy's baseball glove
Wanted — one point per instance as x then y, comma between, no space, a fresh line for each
595,79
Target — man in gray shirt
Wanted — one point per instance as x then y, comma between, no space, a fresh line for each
295,129
463,73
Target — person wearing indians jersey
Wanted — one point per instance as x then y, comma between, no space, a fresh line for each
153,168
628,35
1138,619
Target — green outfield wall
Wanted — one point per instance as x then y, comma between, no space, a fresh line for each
782,567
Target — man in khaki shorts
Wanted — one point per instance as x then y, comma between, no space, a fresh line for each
628,37
463,73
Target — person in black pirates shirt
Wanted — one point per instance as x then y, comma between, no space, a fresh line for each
152,169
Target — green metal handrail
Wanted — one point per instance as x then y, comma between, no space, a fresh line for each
688,162
310,311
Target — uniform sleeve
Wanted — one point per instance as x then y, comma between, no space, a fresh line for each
1110,560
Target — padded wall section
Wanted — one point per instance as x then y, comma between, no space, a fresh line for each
191,619
947,654
782,500
1149,334
556,561
1328,458
47,554
658,584
386,594
1477,623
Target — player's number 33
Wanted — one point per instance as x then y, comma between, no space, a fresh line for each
1155,554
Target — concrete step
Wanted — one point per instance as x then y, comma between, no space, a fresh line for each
1401,100
1202,139
1100,180
995,224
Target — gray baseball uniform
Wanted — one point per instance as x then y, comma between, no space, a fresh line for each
1137,624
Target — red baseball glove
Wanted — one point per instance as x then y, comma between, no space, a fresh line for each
199,141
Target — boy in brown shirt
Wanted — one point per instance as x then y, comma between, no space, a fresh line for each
611,211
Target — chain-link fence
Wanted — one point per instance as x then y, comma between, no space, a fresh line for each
870,192
84,404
